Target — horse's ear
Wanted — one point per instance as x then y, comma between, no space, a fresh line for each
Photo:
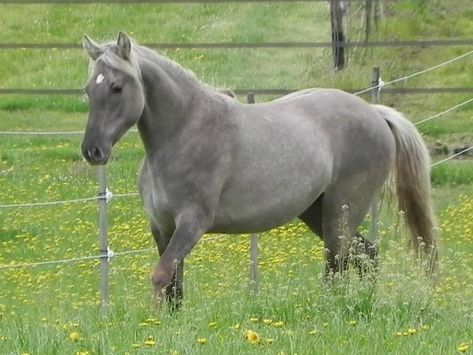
92,48
123,45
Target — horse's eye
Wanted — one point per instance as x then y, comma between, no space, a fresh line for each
116,88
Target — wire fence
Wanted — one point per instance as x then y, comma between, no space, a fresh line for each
461,152
109,254
108,195
413,75
450,109
380,87
106,254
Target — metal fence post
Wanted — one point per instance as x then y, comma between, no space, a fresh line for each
103,239
254,273
373,233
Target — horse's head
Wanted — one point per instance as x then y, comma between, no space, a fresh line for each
116,96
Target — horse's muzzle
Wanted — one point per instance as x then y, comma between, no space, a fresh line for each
94,155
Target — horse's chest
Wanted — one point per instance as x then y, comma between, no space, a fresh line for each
155,199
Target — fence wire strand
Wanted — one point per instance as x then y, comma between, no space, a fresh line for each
463,151
110,255
49,203
63,202
40,133
410,76
46,133
450,109
74,260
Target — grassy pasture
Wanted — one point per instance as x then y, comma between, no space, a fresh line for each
54,309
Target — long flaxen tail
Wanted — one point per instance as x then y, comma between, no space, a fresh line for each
412,176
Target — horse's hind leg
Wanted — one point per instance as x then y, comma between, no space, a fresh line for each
364,247
312,217
174,291
345,206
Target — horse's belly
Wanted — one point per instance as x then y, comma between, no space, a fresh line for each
253,206
276,175
261,214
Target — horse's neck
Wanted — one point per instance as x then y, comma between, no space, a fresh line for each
172,96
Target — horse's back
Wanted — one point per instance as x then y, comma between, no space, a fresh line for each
352,127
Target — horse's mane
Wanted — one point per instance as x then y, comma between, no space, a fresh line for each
131,65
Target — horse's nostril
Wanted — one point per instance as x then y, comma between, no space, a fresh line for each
95,154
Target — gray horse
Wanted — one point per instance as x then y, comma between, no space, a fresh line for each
213,164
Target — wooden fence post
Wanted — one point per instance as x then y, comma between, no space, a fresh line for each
254,273
338,37
373,234
103,197
368,14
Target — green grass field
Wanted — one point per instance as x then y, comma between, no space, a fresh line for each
54,309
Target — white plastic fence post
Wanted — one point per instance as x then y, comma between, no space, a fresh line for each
103,239
254,273
373,233
254,276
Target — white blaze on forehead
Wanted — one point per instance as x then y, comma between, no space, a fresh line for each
99,79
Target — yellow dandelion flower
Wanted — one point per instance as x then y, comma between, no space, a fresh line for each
278,324
152,321
74,336
252,337
267,321
411,331
463,347
202,341
150,341
399,334
254,319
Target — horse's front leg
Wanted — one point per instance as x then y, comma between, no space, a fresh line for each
168,273
174,291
